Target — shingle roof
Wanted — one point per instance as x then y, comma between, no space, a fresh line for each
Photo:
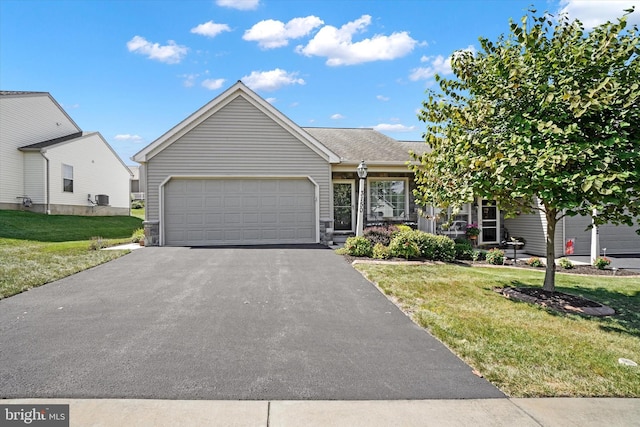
20,92
38,145
354,145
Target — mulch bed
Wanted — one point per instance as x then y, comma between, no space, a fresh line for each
558,301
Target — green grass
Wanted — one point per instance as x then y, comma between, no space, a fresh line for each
138,213
524,349
36,249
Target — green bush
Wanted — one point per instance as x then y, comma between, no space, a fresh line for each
495,256
358,246
463,249
534,262
429,246
137,204
403,227
137,235
601,263
437,248
478,255
380,234
381,251
565,263
403,245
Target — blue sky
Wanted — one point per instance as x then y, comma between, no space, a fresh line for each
133,69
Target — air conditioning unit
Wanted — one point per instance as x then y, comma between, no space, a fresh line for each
102,200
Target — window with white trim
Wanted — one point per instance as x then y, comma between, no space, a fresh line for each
67,178
387,198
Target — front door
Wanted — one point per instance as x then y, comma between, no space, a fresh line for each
489,218
344,206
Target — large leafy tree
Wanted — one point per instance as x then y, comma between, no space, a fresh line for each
546,117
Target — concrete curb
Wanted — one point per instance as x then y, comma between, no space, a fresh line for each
548,412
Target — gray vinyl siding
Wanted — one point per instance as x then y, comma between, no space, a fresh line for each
617,240
238,140
26,119
533,227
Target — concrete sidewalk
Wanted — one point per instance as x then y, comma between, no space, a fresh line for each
563,412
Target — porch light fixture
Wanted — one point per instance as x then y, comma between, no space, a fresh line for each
362,170
362,174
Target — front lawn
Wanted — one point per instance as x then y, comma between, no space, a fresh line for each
525,350
36,249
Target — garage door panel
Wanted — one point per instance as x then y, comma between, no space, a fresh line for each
200,212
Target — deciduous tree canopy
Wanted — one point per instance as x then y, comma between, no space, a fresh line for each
549,112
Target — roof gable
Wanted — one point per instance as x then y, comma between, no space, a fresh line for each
235,91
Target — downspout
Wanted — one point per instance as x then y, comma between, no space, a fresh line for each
48,209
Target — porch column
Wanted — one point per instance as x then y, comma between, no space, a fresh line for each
362,173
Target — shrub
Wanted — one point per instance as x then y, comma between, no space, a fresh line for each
495,256
137,235
478,255
403,227
565,263
137,204
98,243
358,246
534,262
380,234
601,263
380,251
463,250
429,246
403,247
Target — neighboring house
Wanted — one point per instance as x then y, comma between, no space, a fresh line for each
49,165
238,171
137,187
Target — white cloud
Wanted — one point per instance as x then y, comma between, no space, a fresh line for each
271,80
210,29
128,137
437,65
171,53
386,127
382,98
271,100
189,79
596,12
338,47
271,33
213,84
337,116
239,4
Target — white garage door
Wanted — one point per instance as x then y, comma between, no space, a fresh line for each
203,212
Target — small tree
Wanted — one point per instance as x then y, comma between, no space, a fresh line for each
545,118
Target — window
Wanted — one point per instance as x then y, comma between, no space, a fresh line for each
67,178
450,224
387,198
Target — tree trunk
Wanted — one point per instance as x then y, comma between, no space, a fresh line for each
550,274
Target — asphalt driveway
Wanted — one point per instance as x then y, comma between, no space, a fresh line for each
222,323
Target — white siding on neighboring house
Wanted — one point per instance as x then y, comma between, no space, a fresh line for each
96,170
35,177
238,140
18,128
